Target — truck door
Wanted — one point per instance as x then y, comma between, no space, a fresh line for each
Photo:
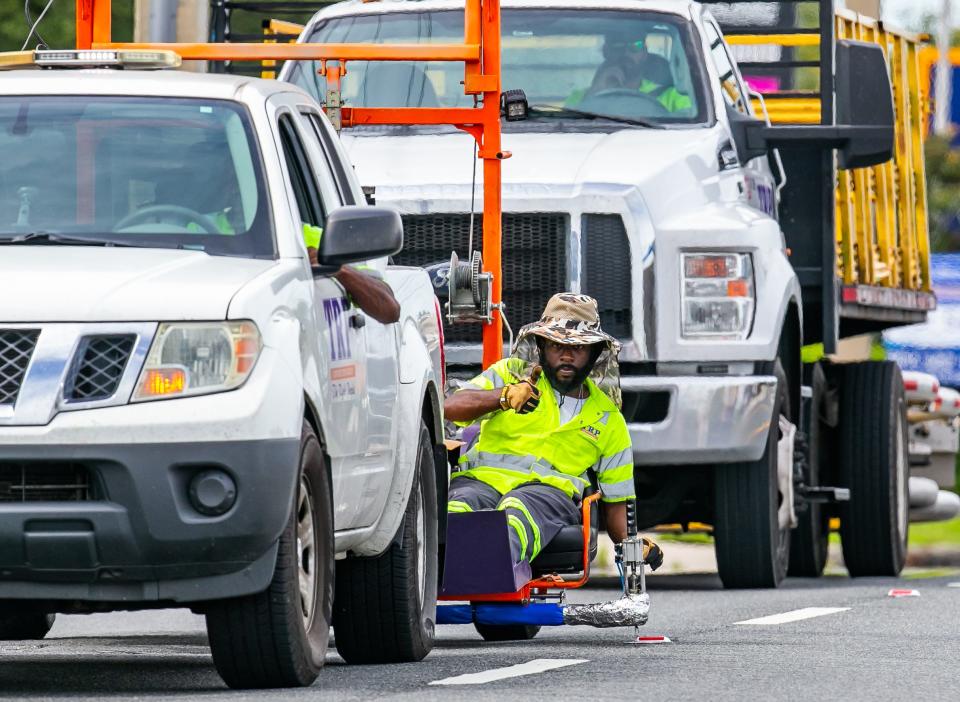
380,341
340,364
759,189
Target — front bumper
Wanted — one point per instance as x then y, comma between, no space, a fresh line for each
709,419
137,538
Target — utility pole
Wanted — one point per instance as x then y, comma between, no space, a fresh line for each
944,85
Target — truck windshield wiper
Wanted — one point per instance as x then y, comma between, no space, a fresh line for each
554,111
48,238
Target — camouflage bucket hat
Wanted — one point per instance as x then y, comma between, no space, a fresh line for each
570,318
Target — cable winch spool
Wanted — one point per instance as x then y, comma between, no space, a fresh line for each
470,291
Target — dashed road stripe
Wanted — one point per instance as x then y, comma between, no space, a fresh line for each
538,665
794,616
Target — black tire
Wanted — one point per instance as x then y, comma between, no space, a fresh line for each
752,550
20,623
808,542
279,637
515,632
385,608
874,465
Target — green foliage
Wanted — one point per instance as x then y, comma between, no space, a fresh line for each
935,533
943,193
58,26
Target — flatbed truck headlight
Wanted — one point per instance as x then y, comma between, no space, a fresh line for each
198,358
717,297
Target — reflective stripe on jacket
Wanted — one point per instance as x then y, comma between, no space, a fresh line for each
514,449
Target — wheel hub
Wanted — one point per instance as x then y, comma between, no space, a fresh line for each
306,554
421,550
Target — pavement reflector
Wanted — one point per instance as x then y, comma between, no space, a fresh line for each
651,640
903,593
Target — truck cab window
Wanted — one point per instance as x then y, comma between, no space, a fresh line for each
305,190
635,64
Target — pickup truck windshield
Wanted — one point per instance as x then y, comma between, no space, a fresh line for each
635,65
151,172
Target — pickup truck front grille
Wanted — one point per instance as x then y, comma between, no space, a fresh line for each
16,348
607,271
101,361
534,258
45,481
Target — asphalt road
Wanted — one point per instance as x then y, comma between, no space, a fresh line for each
868,647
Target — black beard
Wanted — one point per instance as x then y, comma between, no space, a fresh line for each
565,388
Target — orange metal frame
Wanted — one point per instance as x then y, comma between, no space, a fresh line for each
547,582
480,53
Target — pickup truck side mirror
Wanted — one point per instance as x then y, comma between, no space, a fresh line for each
357,233
864,130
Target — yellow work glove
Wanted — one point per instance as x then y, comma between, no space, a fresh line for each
652,555
522,397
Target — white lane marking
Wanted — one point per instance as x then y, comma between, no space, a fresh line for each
794,616
953,584
538,665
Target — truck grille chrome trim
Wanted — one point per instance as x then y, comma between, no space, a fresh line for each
70,367
16,349
534,258
101,361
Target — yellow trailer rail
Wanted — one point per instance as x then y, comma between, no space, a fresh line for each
881,212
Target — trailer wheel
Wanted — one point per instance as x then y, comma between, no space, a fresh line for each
20,623
808,542
874,466
279,637
513,632
752,549
385,608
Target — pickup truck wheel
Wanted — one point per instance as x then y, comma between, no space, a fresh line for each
20,624
752,548
808,542
279,637
874,465
385,607
515,632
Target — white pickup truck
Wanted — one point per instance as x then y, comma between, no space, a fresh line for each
190,414
644,177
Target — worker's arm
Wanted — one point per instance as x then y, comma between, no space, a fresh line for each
465,406
371,295
615,515
468,405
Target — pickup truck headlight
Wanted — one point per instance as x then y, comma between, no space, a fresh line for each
198,358
717,295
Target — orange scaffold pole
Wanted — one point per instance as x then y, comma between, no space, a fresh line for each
480,54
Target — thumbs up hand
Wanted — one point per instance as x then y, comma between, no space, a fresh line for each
524,397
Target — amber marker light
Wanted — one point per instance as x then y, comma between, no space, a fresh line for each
163,382
245,350
738,288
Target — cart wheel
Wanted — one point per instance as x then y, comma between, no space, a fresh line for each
513,632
